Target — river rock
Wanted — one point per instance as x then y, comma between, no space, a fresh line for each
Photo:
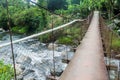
30,76
52,46
27,71
18,69
116,21
118,31
68,55
20,77
31,62
112,26
23,59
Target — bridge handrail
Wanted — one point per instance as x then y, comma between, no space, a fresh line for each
42,33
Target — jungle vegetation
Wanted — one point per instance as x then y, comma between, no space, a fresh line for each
27,17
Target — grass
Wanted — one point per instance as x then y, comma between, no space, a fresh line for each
71,35
6,71
65,40
116,43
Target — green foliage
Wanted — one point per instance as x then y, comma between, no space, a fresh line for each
6,71
66,40
43,2
57,4
116,43
45,38
75,1
20,30
3,20
32,18
71,36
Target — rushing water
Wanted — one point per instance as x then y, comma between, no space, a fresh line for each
33,59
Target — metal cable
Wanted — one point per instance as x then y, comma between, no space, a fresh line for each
47,9
66,47
10,32
119,71
53,38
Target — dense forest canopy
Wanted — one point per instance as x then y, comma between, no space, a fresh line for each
26,16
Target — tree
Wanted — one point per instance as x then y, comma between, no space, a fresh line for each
75,1
3,20
32,19
57,4
43,2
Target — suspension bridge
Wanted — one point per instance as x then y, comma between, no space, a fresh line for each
88,62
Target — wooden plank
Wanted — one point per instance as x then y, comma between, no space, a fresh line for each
88,62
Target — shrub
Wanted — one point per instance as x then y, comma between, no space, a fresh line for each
20,30
65,40
6,71
116,43
31,18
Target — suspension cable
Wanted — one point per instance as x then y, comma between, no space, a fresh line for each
53,38
119,70
66,52
10,32
47,9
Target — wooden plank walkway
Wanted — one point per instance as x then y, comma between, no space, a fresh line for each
88,61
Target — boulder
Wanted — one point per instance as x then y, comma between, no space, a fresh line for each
30,76
52,46
23,59
27,72
112,26
118,31
116,21
18,69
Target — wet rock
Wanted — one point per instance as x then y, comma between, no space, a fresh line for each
56,73
112,74
30,76
15,55
24,59
117,21
20,77
64,53
61,48
27,72
52,46
118,32
67,55
112,26
18,69
31,62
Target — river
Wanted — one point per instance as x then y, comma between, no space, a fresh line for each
34,60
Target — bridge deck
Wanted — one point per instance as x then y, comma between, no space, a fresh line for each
88,61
